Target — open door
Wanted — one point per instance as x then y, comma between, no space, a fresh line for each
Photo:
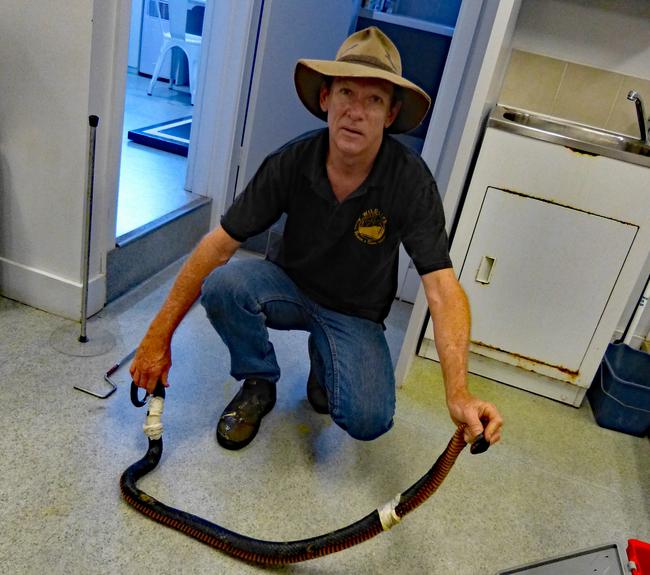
273,113
247,106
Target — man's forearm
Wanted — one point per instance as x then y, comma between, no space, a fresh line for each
451,328
450,312
451,333
214,250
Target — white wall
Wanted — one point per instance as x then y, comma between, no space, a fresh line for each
43,135
44,108
609,34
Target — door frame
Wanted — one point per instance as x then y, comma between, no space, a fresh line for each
226,31
479,52
229,48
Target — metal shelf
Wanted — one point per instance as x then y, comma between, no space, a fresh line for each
407,22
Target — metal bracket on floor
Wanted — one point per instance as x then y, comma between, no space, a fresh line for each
107,378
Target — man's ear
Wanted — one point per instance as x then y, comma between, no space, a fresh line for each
393,113
323,96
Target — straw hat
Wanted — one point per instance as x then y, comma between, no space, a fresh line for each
368,53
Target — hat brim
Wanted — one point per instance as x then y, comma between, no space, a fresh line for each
309,76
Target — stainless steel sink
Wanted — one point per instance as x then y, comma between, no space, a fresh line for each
571,134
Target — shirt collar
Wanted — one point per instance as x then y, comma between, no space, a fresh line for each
315,171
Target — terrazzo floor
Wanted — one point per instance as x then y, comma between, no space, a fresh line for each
557,483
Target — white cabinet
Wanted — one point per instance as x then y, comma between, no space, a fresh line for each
539,276
549,247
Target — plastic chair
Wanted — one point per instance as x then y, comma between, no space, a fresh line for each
175,36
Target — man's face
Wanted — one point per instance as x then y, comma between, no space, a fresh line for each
358,111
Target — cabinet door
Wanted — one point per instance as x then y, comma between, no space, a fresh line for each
538,276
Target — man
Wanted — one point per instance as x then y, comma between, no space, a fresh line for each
351,194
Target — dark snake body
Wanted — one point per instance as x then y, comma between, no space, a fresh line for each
278,552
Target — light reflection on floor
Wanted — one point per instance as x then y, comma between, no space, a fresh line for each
151,181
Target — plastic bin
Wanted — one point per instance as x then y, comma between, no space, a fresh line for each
620,393
639,553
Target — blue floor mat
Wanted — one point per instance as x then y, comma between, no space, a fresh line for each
172,136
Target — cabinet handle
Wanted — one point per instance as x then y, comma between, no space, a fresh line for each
485,268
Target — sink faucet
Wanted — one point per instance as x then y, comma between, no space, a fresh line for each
634,96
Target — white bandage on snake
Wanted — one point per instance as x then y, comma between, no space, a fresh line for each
387,513
153,427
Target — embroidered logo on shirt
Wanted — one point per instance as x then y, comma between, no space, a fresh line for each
371,227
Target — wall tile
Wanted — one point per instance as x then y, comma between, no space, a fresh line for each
623,117
572,91
587,94
532,81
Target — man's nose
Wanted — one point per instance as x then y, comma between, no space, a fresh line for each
355,108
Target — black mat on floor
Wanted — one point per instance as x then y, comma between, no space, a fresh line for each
172,136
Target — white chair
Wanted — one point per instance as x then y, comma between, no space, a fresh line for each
175,36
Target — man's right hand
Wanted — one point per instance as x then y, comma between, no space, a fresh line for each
151,363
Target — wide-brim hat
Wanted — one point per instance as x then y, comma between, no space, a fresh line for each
368,53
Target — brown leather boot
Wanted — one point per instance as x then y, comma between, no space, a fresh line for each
240,421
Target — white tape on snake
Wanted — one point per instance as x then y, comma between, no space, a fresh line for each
153,427
387,514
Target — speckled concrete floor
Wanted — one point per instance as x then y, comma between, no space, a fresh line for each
557,483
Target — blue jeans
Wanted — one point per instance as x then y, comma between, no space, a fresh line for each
350,355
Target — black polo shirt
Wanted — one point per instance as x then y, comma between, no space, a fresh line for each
345,255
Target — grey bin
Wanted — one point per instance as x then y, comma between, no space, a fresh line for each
620,393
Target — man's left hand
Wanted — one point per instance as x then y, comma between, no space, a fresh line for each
477,415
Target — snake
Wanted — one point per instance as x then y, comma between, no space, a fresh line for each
277,553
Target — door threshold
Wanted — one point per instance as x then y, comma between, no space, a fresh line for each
152,226
151,248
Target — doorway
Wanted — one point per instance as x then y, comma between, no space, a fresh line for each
156,126
158,218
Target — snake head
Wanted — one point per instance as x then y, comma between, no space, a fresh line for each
479,445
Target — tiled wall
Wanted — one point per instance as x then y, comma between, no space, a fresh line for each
573,91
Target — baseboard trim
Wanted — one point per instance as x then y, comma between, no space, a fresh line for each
145,252
49,292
